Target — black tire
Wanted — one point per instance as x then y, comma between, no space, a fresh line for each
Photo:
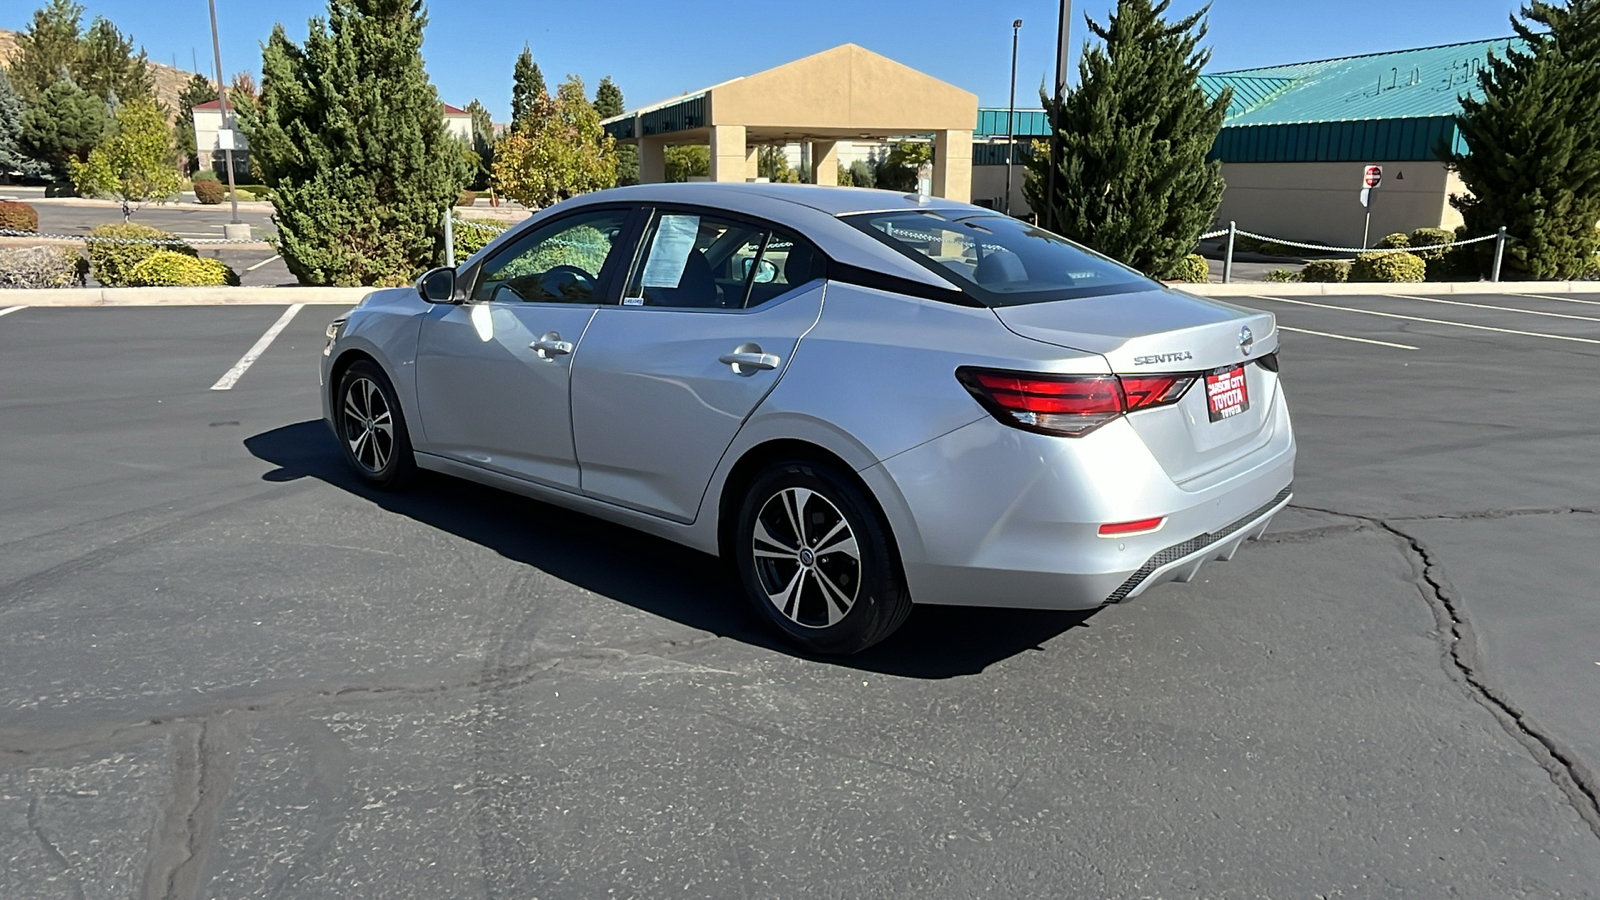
807,584
379,452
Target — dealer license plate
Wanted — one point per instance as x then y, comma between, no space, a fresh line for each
1226,393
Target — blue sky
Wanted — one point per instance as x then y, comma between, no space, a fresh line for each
655,49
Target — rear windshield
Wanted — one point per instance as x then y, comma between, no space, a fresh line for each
1000,260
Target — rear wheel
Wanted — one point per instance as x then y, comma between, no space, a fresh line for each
816,560
372,429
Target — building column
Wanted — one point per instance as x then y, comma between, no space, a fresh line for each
952,165
825,160
752,163
728,153
652,161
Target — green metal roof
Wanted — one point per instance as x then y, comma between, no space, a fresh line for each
1249,91
1405,84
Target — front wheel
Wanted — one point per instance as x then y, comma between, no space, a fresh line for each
816,560
372,428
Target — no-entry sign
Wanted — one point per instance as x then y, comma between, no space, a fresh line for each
1373,176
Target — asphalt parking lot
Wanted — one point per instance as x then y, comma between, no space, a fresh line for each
229,671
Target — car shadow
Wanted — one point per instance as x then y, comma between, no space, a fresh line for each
655,575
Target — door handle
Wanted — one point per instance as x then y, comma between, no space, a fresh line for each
747,359
551,345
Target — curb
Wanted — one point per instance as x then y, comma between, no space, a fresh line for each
182,296
1429,288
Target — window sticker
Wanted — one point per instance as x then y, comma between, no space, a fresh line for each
675,238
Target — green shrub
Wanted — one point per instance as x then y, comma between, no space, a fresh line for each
1326,271
1396,241
209,192
1388,267
1192,270
41,267
166,268
1280,276
242,195
204,175
113,263
469,240
1425,244
18,216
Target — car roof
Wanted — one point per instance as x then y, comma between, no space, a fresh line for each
834,201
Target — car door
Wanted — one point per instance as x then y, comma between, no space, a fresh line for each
494,372
711,315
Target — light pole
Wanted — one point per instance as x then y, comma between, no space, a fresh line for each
227,124
1064,31
1011,115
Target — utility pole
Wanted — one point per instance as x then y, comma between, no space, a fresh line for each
232,229
1063,34
1011,116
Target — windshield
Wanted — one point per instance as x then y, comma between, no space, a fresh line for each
1000,260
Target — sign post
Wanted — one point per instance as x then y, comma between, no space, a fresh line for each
1371,180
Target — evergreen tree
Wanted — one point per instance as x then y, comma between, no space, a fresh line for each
48,48
198,90
349,135
63,127
1133,181
482,143
11,111
109,69
527,89
608,99
1532,162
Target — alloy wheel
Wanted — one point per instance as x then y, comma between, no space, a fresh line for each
368,425
806,558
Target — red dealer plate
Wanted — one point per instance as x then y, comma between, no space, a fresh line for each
1226,393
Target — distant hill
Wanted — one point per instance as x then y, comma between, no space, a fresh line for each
169,82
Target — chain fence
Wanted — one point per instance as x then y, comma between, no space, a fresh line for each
96,239
1233,232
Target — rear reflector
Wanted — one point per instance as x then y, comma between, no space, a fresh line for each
1068,405
1125,529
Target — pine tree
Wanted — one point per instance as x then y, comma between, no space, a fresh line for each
198,90
527,88
109,69
350,136
11,111
482,143
63,126
608,99
1133,181
48,48
1532,162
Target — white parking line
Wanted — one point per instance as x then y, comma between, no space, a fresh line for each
1373,312
1563,299
1526,312
1345,337
10,309
264,262
228,380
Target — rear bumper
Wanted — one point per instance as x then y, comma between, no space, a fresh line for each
993,516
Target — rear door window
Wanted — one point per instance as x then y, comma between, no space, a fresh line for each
694,260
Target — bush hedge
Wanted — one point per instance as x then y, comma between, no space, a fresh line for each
113,263
167,268
1193,270
210,192
1425,243
1389,267
1326,271
1396,241
16,216
41,267
1281,276
469,240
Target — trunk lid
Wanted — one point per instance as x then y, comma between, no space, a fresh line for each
1163,331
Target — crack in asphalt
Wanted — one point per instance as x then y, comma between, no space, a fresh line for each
1460,652
51,850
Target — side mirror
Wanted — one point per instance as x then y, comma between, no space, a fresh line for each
438,285
766,272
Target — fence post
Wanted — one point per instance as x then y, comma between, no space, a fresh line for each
449,238
1499,253
1227,261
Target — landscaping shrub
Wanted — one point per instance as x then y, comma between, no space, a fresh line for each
1326,271
1396,241
1281,276
1388,267
1425,241
17,216
166,268
467,198
242,195
113,263
1193,269
41,267
469,240
209,191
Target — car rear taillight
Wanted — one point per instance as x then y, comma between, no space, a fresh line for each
1067,405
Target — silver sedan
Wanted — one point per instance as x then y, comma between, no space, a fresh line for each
860,399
